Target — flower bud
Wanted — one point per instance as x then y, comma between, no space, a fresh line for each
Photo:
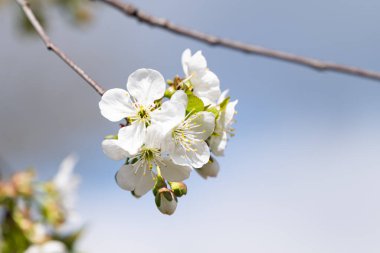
7,190
178,188
176,81
166,201
210,169
22,182
135,195
169,92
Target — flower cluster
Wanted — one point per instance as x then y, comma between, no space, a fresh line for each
37,216
170,128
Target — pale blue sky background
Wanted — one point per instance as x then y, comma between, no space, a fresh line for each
301,175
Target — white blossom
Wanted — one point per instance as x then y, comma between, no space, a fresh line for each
144,87
47,247
210,169
140,173
185,136
223,127
205,83
66,183
164,139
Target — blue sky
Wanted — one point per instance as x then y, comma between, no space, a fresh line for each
302,173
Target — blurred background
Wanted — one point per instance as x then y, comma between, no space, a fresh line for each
302,173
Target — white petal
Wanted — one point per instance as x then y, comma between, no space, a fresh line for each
179,97
195,158
154,136
116,104
112,149
205,122
200,156
127,177
168,144
223,96
178,155
145,184
218,144
132,137
206,85
230,112
196,63
173,172
168,116
186,56
65,172
67,183
146,86
210,169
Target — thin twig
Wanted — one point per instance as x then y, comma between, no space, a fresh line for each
50,46
132,11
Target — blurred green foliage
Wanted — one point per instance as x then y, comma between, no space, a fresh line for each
32,213
77,12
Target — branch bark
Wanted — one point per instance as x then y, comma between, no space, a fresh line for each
52,47
132,11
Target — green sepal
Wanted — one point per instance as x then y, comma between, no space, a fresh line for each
130,160
224,104
157,199
167,195
111,137
213,110
169,92
135,195
160,183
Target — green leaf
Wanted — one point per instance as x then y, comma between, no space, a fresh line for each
194,104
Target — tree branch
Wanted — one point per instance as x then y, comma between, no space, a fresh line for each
132,11
50,46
